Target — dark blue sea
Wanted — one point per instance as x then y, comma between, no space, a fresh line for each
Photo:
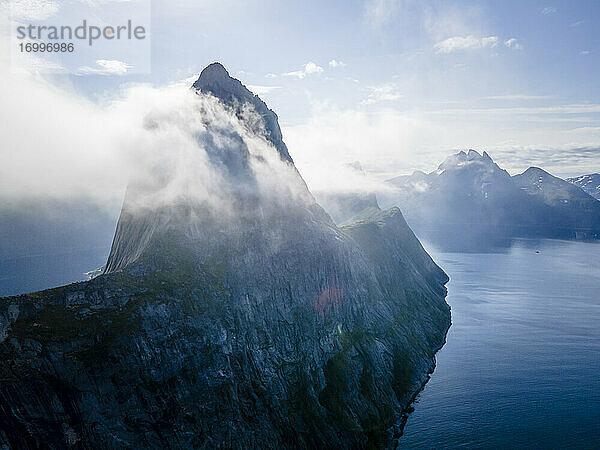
521,366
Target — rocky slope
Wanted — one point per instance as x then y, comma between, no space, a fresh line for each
571,208
589,183
248,322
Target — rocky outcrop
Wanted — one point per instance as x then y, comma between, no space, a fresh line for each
259,325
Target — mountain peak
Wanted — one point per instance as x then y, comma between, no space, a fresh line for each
215,68
533,170
462,159
473,154
215,80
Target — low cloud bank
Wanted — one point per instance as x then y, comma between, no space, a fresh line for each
59,145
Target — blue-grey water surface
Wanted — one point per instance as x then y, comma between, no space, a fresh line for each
521,365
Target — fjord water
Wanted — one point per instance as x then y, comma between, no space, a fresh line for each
521,365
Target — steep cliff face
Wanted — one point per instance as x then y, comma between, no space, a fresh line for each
259,324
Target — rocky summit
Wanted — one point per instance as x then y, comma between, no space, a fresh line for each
233,312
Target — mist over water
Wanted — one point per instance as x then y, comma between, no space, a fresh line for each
520,368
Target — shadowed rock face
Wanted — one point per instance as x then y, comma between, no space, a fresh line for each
263,327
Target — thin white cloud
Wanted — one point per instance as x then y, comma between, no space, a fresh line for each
388,92
576,24
457,43
31,10
333,137
106,67
515,97
380,12
32,64
581,108
271,75
260,90
308,69
548,10
186,81
335,63
512,43
584,52
103,2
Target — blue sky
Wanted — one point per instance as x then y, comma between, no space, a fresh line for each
397,85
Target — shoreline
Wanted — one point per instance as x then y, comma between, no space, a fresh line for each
396,431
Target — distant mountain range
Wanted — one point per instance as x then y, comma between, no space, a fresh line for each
589,183
469,199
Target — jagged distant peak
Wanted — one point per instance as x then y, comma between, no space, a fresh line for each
587,176
473,154
463,158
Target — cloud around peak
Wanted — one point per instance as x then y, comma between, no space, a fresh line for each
512,43
387,92
457,43
106,67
